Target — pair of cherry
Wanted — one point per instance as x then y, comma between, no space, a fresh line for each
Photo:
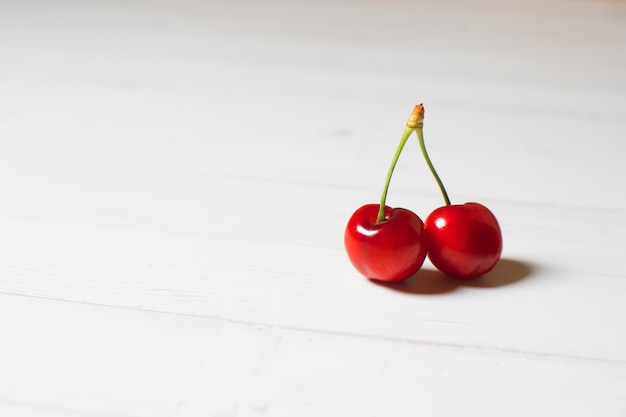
388,244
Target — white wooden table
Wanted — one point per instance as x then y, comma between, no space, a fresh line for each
175,178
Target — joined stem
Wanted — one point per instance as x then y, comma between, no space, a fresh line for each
415,123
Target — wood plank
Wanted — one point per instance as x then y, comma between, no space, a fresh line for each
72,359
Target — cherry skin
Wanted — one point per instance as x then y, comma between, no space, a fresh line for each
464,240
390,251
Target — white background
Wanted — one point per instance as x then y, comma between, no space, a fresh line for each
175,178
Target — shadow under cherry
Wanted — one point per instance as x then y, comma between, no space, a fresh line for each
432,282
506,272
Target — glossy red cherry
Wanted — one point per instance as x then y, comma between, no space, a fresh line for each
392,250
387,244
464,240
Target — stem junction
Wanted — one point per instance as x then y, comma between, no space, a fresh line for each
415,123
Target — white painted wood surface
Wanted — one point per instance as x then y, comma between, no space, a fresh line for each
175,178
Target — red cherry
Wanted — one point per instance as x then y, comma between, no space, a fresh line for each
464,240
387,244
391,250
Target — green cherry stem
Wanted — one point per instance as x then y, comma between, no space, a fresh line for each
420,138
411,125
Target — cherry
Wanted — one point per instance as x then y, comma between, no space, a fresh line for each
391,250
386,244
464,240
